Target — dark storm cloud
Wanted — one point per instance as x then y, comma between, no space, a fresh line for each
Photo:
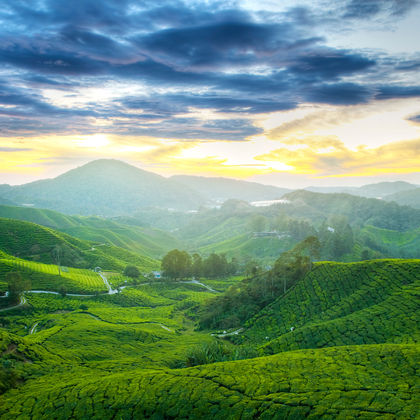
339,94
390,92
330,64
205,55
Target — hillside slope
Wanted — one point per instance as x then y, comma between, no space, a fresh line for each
369,302
34,242
143,240
340,383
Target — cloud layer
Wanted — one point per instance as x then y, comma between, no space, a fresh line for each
181,55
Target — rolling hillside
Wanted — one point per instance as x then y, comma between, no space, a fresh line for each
359,210
146,241
352,354
370,302
34,242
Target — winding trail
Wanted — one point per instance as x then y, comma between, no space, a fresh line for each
111,291
126,323
21,303
33,329
236,332
200,284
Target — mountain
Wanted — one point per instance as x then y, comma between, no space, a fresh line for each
105,187
222,189
377,190
406,198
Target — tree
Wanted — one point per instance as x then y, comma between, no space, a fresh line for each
176,264
131,271
258,223
16,285
197,266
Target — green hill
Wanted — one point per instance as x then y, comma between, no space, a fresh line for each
334,383
143,240
354,352
369,302
48,277
406,198
34,242
359,210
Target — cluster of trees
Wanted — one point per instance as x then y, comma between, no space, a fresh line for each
244,300
178,264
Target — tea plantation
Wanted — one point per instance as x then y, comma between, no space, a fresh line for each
353,353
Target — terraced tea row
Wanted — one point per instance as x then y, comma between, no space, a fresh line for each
336,383
335,304
47,277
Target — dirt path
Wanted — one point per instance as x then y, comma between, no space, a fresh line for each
21,303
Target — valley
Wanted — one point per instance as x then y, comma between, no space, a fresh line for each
305,308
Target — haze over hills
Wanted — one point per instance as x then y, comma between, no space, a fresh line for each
408,198
221,189
109,187
377,190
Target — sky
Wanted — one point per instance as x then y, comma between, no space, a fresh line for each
290,93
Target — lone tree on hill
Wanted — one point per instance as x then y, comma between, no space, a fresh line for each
176,264
16,285
131,271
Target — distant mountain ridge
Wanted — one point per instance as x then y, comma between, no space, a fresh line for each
105,187
377,190
109,187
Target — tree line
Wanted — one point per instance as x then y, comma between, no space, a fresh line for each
177,265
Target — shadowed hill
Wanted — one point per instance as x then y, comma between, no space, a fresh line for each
105,187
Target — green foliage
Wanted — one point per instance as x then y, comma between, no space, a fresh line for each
350,382
242,301
342,304
217,351
176,264
131,271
